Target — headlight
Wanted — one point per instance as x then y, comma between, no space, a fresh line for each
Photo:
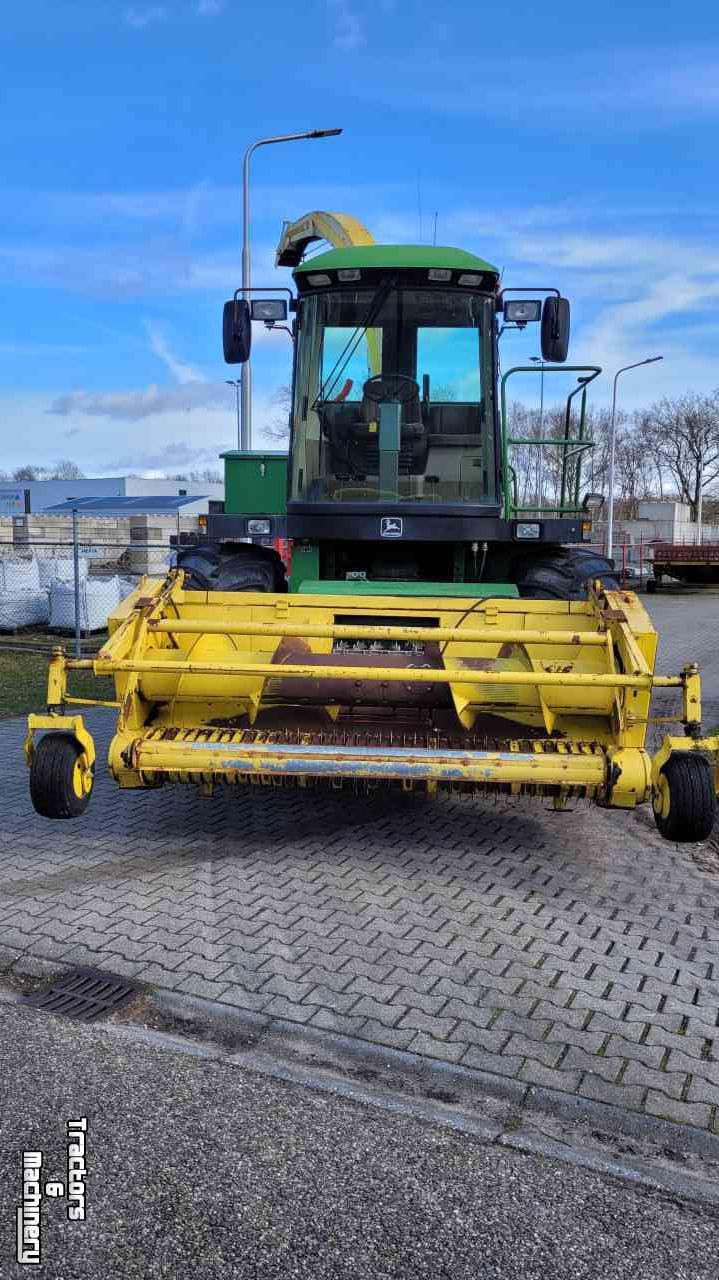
261,527
527,531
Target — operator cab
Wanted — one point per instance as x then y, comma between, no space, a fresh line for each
393,399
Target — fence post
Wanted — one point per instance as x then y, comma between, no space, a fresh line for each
76,575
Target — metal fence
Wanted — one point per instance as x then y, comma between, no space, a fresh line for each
69,587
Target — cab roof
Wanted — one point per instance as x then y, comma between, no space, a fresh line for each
398,256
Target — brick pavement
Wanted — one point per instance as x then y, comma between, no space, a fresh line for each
578,951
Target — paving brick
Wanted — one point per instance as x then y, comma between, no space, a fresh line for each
648,1055
389,1015
580,1060
394,1038
280,1007
385,991
336,1001
241,998
694,1064
627,1028
671,1083
429,1005
340,1023
545,1051
438,1028
536,1073
374,972
157,976
475,1016
696,1113
501,1064
531,1028
429,1047
702,1089
598,1089
491,1039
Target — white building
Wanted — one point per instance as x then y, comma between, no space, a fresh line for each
25,496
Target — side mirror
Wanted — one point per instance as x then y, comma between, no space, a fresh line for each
555,330
236,331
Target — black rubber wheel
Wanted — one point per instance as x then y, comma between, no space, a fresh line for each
565,574
55,780
685,807
236,567
652,585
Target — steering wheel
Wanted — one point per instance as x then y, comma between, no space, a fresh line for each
395,387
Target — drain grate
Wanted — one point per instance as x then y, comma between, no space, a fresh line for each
84,993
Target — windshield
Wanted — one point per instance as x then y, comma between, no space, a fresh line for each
392,398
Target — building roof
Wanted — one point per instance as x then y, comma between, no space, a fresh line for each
112,506
396,255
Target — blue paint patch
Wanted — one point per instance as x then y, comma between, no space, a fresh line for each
365,753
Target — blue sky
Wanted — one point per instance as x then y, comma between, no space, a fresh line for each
571,146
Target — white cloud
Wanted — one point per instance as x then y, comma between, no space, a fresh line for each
209,8
348,30
115,432
183,373
133,406
617,90
146,16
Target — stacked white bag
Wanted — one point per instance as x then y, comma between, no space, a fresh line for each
23,602
98,598
60,569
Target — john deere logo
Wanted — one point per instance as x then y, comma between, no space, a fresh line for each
390,527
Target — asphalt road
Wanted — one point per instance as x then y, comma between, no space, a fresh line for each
197,1168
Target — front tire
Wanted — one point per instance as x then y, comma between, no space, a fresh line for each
60,785
565,574
685,803
243,566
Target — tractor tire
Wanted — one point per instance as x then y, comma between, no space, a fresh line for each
566,574
236,567
56,789
685,805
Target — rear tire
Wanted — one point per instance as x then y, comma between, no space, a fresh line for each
56,779
685,804
565,574
240,566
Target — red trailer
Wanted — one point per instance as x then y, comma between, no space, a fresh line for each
693,563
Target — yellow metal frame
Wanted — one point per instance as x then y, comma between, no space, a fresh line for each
581,673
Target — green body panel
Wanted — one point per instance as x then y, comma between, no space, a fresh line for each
396,255
305,563
255,483
472,590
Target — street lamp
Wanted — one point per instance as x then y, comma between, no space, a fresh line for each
236,383
540,477
246,377
612,444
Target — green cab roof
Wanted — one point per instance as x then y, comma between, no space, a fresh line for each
396,255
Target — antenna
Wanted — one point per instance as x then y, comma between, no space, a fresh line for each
434,240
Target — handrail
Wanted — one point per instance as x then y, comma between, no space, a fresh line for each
511,509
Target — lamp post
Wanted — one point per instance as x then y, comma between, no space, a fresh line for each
612,446
246,376
700,498
236,383
540,477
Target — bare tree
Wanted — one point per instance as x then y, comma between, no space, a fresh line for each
66,470
683,435
29,472
279,428
208,475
